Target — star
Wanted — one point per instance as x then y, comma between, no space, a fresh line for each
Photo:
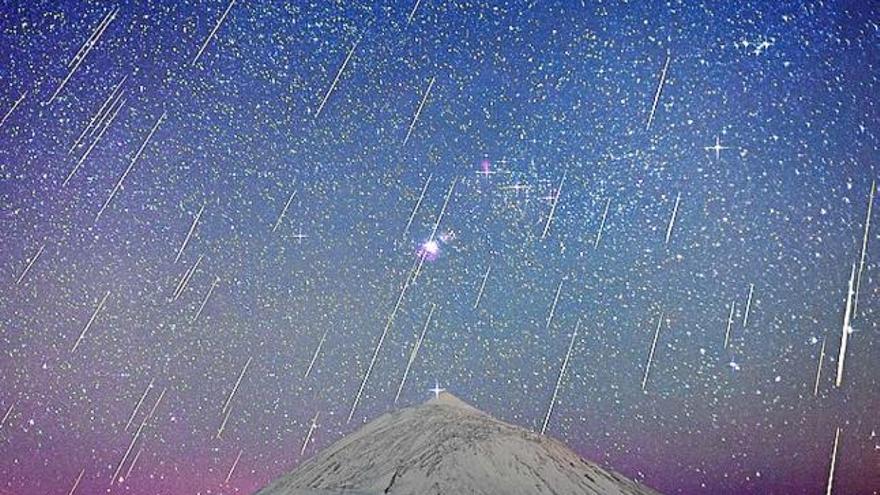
717,148
437,390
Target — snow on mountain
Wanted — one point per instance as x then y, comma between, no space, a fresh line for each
446,446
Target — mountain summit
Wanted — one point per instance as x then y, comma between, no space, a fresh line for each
446,446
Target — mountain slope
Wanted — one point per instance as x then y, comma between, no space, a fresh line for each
448,447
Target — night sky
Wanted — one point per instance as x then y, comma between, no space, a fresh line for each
317,143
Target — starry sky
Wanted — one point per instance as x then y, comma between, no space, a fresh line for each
201,199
